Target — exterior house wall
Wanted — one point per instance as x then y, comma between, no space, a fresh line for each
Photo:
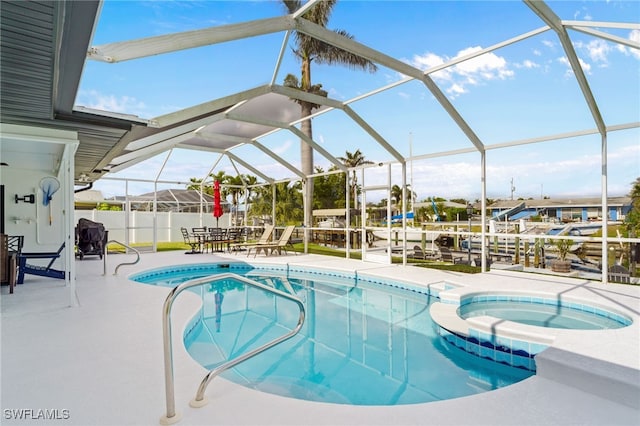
32,220
577,212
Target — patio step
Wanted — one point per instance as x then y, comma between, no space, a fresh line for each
607,380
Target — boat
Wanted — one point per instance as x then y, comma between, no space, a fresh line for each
578,229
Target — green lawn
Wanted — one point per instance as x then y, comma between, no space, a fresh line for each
322,250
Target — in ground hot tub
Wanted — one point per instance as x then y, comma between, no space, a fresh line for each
542,312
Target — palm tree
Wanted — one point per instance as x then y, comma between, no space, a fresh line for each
633,217
207,189
250,180
235,190
308,50
396,195
288,203
220,176
194,184
353,160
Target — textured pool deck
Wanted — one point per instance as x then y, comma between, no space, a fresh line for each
101,363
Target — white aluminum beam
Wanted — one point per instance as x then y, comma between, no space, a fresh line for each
174,131
150,151
318,148
209,107
550,18
149,46
249,167
606,36
375,135
306,96
214,137
354,47
399,66
278,159
294,130
602,24
497,46
547,138
559,136
256,120
453,112
305,7
283,49
444,153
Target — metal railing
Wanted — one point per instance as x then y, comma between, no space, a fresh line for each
200,400
104,258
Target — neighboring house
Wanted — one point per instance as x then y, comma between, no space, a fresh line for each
564,210
92,199
168,200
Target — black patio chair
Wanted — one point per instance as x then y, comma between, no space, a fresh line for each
194,243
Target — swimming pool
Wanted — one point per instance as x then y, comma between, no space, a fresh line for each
364,342
542,312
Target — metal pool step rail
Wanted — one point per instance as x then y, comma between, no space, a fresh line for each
104,258
200,400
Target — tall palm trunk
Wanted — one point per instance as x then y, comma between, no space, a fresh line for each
306,150
308,50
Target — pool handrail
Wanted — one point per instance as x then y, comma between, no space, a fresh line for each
104,261
171,415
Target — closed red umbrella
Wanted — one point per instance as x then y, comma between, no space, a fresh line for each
217,207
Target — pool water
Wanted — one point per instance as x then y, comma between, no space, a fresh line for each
543,315
362,343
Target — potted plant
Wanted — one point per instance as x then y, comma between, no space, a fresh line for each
561,264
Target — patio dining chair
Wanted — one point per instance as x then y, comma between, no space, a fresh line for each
191,241
216,238
234,236
12,246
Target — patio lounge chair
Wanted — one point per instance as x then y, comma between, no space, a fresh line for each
418,253
264,239
43,271
278,246
447,256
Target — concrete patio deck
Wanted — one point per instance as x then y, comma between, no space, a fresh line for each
101,363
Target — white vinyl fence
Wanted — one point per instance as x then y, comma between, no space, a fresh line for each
138,226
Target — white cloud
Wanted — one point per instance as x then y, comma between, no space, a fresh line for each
548,43
123,104
635,36
426,61
471,72
529,64
597,50
585,66
583,10
279,150
456,89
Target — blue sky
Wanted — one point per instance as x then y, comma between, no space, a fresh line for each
521,91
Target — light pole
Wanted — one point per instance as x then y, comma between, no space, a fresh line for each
469,213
